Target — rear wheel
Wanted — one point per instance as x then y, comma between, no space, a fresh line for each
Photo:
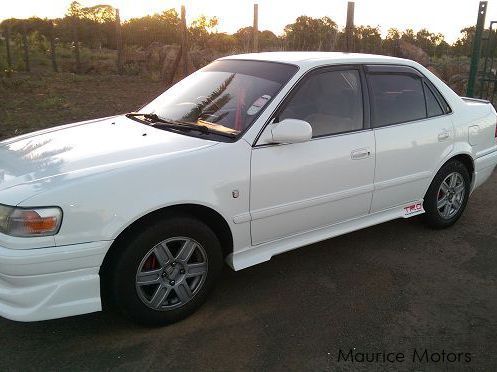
165,273
447,195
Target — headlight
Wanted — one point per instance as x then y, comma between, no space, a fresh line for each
29,222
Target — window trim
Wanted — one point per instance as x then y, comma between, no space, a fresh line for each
440,98
365,69
366,115
425,88
393,69
382,69
398,73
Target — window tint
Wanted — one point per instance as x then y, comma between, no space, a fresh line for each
432,106
396,98
331,102
227,95
441,99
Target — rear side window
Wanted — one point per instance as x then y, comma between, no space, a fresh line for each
432,106
330,101
396,98
445,106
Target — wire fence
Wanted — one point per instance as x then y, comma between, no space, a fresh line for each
164,47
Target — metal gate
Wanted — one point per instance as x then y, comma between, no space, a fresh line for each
482,81
487,77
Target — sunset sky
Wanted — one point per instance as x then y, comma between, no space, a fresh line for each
445,16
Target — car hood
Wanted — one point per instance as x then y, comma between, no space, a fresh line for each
104,143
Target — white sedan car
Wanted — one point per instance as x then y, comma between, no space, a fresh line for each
249,157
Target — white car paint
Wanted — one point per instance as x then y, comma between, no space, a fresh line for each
332,186
406,157
107,173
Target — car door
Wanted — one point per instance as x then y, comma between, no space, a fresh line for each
413,134
304,186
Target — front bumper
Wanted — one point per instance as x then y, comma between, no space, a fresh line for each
48,283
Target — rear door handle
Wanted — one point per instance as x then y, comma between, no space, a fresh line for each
360,154
444,135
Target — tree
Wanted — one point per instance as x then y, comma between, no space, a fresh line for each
393,34
74,10
243,38
462,46
309,33
367,39
429,41
409,36
222,42
391,41
99,14
96,25
201,29
164,27
423,40
267,40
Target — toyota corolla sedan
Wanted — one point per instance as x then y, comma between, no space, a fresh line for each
249,157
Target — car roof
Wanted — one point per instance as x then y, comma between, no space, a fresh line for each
308,59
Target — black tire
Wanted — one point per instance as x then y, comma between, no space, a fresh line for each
122,272
433,217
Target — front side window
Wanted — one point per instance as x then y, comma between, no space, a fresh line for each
226,96
396,98
331,102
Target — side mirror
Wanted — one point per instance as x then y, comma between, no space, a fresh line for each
291,131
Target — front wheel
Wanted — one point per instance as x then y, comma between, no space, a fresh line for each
447,195
165,272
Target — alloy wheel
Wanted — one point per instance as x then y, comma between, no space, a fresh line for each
171,273
451,195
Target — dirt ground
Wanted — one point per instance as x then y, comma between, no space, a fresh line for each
395,288
31,102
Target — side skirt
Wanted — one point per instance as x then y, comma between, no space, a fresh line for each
254,255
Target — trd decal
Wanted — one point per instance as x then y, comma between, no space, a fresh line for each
414,208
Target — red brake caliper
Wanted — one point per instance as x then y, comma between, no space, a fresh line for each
151,263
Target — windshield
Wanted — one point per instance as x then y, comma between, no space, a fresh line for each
226,96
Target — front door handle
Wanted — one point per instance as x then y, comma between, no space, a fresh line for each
360,154
444,135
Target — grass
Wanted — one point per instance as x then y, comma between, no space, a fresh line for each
92,60
42,98
29,102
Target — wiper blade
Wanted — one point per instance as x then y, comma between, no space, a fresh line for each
158,122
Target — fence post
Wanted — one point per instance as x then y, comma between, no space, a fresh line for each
7,46
349,28
119,43
475,55
52,47
25,47
184,41
75,35
255,29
